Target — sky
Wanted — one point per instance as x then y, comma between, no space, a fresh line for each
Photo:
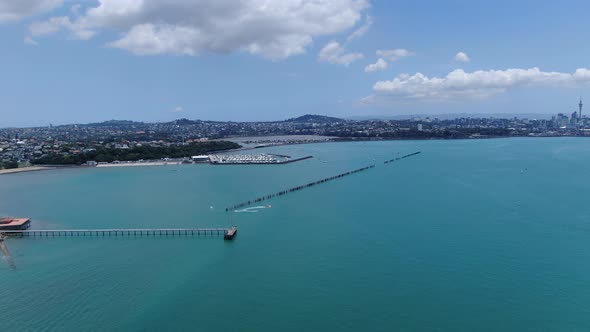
72,61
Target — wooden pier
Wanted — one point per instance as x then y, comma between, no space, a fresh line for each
121,232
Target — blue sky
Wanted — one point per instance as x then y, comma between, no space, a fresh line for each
85,61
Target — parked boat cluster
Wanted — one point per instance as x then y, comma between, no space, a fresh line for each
262,158
284,192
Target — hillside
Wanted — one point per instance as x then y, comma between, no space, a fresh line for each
312,118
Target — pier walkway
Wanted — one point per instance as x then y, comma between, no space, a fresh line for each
122,232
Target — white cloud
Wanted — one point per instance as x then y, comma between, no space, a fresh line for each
75,9
14,10
377,66
272,29
177,109
50,26
462,57
460,85
30,41
335,54
394,55
362,30
56,24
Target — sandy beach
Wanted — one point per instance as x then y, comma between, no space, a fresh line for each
24,169
155,163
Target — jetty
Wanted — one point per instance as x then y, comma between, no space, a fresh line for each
228,233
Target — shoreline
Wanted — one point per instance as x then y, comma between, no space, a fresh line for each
25,169
345,140
133,164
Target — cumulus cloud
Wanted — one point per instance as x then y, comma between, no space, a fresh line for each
394,55
460,85
462,57
335,54
272,29
377,66
177,109
56,24
14,10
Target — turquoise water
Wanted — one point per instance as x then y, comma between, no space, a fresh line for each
475,235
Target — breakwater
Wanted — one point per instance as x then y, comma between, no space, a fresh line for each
311,184
402,157
294,189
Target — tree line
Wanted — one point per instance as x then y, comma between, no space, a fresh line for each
103,154
8,164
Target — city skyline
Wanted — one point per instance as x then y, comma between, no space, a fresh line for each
80,62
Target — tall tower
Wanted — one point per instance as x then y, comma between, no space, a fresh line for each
580,105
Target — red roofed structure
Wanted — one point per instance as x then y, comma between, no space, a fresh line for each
14,224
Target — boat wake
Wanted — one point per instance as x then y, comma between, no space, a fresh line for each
253,209
6,255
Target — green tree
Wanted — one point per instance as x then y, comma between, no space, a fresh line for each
10,164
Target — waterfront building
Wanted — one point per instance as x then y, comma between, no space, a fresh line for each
200,159
14,224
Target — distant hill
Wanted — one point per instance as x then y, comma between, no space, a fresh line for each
111,123
184,122
311,118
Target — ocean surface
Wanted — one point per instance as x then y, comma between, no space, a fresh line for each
470,235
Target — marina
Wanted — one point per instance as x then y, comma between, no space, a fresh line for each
371,227
257,159
213,159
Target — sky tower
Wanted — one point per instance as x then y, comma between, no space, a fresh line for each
580,105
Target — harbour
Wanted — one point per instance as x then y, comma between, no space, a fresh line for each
424,230
259,159
212,159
